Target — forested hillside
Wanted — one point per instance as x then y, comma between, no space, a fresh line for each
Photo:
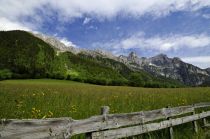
24,55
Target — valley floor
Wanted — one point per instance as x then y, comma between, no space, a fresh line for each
43,98
72,99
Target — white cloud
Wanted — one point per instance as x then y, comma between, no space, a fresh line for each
206,16
15,10
6,25
69,9
86,20
200,61
93,27
67,42
111,8
160,43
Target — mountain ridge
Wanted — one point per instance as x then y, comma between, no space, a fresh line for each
23,55
159,65
127,68
169,67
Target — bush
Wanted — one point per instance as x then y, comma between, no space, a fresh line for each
5,74
136,80
118,82
58,76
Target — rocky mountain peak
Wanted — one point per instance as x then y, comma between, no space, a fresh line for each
57,44
100,53
132,56
160,60
161,56
177,59
208,70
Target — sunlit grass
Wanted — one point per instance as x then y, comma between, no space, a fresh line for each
57,98
78,100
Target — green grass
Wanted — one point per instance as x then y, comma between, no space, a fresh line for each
60,98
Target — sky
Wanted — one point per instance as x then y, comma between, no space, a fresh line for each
178,28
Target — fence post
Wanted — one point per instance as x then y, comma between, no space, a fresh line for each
104,112
88,136
195,126
171,132
204,121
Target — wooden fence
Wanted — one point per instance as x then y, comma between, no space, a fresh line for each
105,126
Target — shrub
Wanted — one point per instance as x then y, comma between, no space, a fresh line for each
5,74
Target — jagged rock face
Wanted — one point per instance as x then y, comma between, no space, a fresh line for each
60,47
132,57
160,60
174,68
208,70
133,61
57,44
100,53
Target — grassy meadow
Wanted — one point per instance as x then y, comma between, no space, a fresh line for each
44,98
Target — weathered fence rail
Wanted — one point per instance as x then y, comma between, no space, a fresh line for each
104,126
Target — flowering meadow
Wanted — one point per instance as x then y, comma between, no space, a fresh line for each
43,98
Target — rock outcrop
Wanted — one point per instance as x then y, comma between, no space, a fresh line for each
57,44
174,68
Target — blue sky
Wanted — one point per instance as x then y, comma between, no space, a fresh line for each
176,28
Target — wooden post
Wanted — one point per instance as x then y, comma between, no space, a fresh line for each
171,132
195,126
88,136
204,121
104,112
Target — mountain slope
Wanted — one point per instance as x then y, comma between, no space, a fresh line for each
89,70
208,70
27,56
159,66
24,55
135,77
173,68
56,44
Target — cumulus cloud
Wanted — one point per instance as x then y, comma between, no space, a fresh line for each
6,25
68,9
206,16
201,61
86,20
160,43
14,15
67,42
